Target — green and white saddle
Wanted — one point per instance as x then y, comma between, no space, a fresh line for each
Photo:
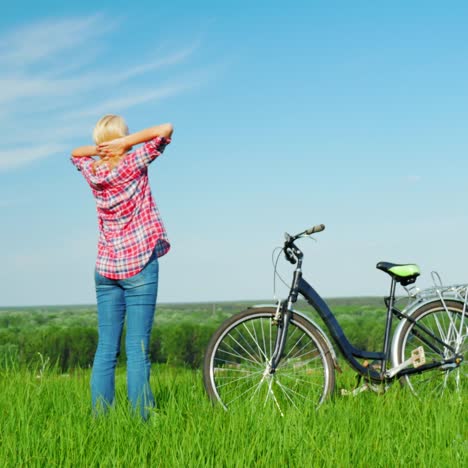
401,273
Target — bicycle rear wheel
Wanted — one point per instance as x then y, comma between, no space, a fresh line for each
450,325
236,368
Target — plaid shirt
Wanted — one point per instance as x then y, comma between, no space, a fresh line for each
130,226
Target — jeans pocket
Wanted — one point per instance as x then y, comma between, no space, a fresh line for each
148,275
100,280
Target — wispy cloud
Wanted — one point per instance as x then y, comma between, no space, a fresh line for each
46,39
115,105
55,97
17,157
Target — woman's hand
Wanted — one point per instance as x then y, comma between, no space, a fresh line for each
113,149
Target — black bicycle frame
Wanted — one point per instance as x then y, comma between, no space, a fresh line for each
351,354
349,351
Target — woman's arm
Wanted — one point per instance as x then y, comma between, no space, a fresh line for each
122,145
164,130
85,151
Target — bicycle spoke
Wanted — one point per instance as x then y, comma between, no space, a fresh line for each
302,362
237,355
263,338
244,349
297,379
308,382
242,394
248,344
295,344
286,394
272,393
462,321
445,323
230,369
290,337
299,350
240,378
258,387
255,340
253,357
439,328
452,324
295,393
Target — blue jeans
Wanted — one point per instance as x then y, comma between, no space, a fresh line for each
136,298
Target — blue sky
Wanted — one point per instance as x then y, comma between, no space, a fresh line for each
351,114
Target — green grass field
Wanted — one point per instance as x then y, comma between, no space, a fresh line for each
45,420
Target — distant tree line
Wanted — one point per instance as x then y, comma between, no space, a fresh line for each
68,348
68,339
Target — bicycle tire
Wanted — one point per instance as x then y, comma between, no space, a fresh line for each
238,354
449,324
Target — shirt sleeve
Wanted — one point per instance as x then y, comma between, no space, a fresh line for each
147,153
83,163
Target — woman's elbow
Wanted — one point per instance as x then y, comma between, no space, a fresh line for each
168,131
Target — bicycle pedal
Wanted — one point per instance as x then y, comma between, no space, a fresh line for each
418,357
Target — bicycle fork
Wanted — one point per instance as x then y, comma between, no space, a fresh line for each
283,315
282,318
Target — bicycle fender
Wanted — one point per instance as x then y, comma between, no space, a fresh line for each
313,322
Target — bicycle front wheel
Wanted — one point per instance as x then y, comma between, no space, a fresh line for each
447,323
238,358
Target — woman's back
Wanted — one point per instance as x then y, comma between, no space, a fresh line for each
130,225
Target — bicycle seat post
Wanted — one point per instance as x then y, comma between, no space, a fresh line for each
389,301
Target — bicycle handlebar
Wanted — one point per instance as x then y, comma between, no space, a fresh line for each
313,230
307,232
289,242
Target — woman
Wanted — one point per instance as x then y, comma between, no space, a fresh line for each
131,239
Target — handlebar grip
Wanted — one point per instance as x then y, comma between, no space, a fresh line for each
313,230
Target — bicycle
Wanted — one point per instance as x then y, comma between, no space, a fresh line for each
276,354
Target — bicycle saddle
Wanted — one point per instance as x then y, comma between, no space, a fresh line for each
404,274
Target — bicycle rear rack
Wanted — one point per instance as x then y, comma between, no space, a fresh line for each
439,291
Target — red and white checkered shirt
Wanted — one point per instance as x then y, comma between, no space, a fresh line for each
130,226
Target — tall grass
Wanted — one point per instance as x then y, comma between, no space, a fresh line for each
45,420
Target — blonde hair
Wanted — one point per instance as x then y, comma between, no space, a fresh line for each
109,128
